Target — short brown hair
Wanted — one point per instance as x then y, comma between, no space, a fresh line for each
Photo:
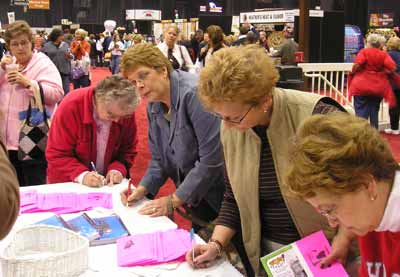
144,54
337,153
393,44
245,74
17,28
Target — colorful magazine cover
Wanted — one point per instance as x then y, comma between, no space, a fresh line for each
110,228
302,259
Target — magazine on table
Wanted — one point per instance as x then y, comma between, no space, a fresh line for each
99,231
302,259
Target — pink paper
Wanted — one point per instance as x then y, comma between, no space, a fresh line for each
28,197
61,203
314,248
155,248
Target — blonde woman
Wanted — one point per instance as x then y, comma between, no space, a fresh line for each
117,49
178,55
80,48
238,85
348,174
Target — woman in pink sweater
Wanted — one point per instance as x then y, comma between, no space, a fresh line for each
18,86
342,167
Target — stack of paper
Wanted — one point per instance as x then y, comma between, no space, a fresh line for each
61,203
154,248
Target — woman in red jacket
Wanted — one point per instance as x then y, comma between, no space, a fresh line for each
92,139
370,82
342,167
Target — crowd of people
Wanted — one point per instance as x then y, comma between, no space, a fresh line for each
245,156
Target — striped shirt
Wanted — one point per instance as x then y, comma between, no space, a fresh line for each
276,222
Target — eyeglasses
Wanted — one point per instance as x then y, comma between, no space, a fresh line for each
23,43
238,121
329,214
142,76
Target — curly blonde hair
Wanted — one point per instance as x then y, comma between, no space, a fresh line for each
337,153
245,74
393,43
144,54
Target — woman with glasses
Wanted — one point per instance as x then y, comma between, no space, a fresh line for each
21,74
93,137
259,119
184,140
347,172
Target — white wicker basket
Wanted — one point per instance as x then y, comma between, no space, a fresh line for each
45,251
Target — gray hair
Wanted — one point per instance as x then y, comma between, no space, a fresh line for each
375,40
115,88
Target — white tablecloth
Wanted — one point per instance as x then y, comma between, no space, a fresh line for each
103,259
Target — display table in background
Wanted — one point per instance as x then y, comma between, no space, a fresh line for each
103,259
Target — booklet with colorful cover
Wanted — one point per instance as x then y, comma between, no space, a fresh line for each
110,228
99,231
302,259
83,225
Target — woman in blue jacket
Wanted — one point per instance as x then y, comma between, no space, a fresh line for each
184,139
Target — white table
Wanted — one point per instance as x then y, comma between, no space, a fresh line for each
103,259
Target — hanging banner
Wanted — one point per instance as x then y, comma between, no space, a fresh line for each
143,15
279,16
39,4
11,17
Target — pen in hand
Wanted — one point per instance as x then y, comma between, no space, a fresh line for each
192,240
95,171
129,192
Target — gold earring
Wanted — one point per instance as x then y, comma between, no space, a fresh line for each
373,198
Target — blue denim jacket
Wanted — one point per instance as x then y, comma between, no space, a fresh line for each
188,148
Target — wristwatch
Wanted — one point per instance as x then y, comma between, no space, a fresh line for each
170,206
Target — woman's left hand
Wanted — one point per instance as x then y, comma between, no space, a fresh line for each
340,248
16,77
158,207
114,177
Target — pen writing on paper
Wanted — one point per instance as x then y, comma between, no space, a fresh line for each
95,170
129,192
192,240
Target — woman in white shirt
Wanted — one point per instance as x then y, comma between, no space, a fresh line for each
117,48
178,55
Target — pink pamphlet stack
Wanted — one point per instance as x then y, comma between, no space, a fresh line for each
63,202
154,248
314,248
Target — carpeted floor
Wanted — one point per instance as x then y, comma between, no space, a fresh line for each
143,157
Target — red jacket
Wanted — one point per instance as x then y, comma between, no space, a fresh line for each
372,78
71,145
380,254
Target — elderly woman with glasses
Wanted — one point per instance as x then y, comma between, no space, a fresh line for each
22,73
93,137
184,140
347,172
238,85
